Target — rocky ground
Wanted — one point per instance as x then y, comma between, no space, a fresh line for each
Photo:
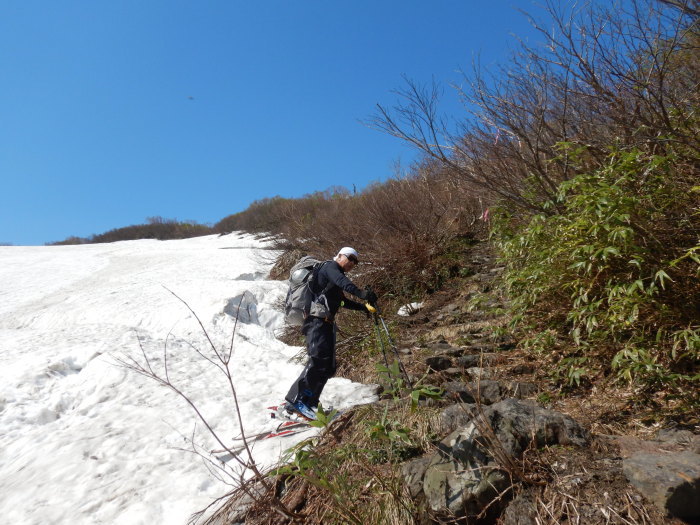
508,434
501,445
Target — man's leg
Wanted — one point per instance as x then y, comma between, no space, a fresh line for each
320,346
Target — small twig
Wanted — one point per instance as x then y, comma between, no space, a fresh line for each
223,365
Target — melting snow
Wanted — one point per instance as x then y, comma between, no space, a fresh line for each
409,309
83,440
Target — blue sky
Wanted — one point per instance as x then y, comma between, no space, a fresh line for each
98,130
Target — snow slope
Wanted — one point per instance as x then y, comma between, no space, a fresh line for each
83,440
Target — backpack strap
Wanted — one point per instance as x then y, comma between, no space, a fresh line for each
314,280
315,296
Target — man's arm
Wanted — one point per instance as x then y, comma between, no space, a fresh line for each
340,279
353,305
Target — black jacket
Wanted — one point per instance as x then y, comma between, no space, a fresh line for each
332,279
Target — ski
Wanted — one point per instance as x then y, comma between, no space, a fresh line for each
279,412
285,428
289,424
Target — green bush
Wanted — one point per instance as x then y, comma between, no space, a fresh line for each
615,267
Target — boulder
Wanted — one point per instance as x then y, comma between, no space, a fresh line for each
468,361
413,472
522,369
456,416
682,438
455,351
243,307
519,389
438,363
521,511
464,477
477,373
440,346
671,481
488,392
485,392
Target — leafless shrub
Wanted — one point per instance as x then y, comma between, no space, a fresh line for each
402,228
260,487
154,228
603,76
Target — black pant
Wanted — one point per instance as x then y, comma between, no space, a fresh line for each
320,347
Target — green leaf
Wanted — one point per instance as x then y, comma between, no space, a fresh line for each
661,276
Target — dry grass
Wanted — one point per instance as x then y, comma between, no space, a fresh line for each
350,476
586,486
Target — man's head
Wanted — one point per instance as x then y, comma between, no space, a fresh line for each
347,258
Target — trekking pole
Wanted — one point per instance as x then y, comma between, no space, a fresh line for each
380,341
396,350
374,309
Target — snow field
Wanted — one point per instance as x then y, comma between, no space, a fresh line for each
83,440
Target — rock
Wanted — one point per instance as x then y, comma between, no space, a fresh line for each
671,481
456,416
667,441
517,422
520,390
413,472
522,369
468,361
440,347
521,511
455,351
477,373
459,391
675,436
464,477
244,307
439,362
452,372
458,330
488,392
631,446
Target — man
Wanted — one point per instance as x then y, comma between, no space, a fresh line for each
319,328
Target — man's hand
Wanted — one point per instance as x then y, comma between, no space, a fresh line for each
371,297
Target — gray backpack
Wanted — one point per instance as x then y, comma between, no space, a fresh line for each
301,298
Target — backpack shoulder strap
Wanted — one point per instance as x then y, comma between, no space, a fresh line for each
330,283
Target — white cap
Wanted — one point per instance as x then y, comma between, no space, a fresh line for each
346,250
